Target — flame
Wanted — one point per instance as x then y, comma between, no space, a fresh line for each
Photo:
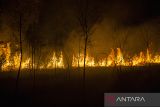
111,58
114,58
7,52
55,62
26,63
117,58
16,60
89,61
14,63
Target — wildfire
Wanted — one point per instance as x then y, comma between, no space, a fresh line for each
115,58
55,62
9,62
79,61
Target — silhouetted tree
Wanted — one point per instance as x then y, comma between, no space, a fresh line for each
146,36
88,15
20,14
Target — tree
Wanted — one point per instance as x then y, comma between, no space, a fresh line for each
87,15
20,14
146,36
120,37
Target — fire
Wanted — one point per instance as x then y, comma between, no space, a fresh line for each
11,61
111,58
26,63
16,60
120,60
55,62
116,58
80,60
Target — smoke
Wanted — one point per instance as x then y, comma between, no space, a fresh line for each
109,34
58,29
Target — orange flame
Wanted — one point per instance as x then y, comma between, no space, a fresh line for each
115,57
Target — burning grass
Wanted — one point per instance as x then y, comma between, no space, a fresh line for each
115,58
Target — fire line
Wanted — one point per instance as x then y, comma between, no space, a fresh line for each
115,57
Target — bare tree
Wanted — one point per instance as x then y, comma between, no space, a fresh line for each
87,15
79,49
122,42
120,37
31,39
20,15
146,36
147,39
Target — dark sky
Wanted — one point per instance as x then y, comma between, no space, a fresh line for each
59,13
127,11
57,18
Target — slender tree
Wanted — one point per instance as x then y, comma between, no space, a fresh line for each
87,15
146,36
20,14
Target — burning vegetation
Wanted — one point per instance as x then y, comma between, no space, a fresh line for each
11,61
93,26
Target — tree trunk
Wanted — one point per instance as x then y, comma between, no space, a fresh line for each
32,59
84,69
20,43
78,52
34,65
39,58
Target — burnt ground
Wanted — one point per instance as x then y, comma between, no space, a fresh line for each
63,87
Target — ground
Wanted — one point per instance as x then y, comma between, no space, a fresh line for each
63,87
